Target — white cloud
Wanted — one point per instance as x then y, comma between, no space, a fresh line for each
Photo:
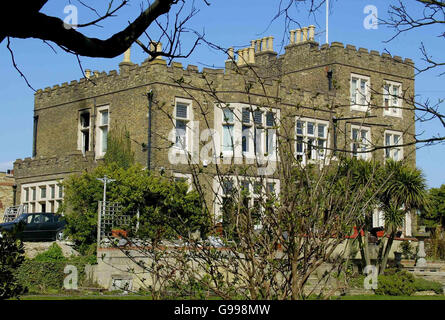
6,166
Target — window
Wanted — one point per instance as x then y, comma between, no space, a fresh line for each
258,132
43,192
228,126
253,191
84,131
181,121
182,177
270,133
392,101
361,142
246,131
312,139
262,133
378,218
40,196
392,141
360,93
60,191
102,126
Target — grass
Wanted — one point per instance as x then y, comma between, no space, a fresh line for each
377,297
84,297
146,297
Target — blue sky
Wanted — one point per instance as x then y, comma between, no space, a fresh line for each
226,23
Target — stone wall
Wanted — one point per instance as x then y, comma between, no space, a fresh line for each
6,192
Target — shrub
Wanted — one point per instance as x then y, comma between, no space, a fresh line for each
356,282
41,276
11,258
407,250
396,282
427,285
45,273
53,253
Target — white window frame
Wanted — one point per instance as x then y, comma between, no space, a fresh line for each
304,137
249,134
394,102
356,96
82,130
100,127
186,176
226,122
188,126
35,205
389,153
219,193
378,218
367,144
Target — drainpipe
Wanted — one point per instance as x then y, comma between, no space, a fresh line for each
334,121
14,195
150,101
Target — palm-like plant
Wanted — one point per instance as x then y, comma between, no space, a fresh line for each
404,189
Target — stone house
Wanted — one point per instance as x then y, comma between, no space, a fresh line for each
332,98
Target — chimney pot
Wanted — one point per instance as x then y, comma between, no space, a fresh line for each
251,52
230,53
311,33
127,56
292,36
298,36
270,45
264,44
305,34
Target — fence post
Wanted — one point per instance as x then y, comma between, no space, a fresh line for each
99,214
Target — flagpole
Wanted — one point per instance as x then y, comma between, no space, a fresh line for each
327,21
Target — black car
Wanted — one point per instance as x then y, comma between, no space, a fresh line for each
36,226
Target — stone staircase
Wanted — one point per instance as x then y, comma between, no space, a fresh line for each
434,271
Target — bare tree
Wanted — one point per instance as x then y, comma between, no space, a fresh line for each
28,22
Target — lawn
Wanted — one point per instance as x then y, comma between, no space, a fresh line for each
141,297
377,297
84,297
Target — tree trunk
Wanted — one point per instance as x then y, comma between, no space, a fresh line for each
364,248
386,254
295,285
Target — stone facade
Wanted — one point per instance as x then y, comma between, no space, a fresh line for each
308,81
7,184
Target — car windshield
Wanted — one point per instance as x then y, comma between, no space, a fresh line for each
20,218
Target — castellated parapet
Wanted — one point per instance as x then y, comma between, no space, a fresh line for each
300,55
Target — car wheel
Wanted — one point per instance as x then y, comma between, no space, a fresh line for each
59,235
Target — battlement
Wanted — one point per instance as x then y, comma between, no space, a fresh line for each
301,53
53,165
366,54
